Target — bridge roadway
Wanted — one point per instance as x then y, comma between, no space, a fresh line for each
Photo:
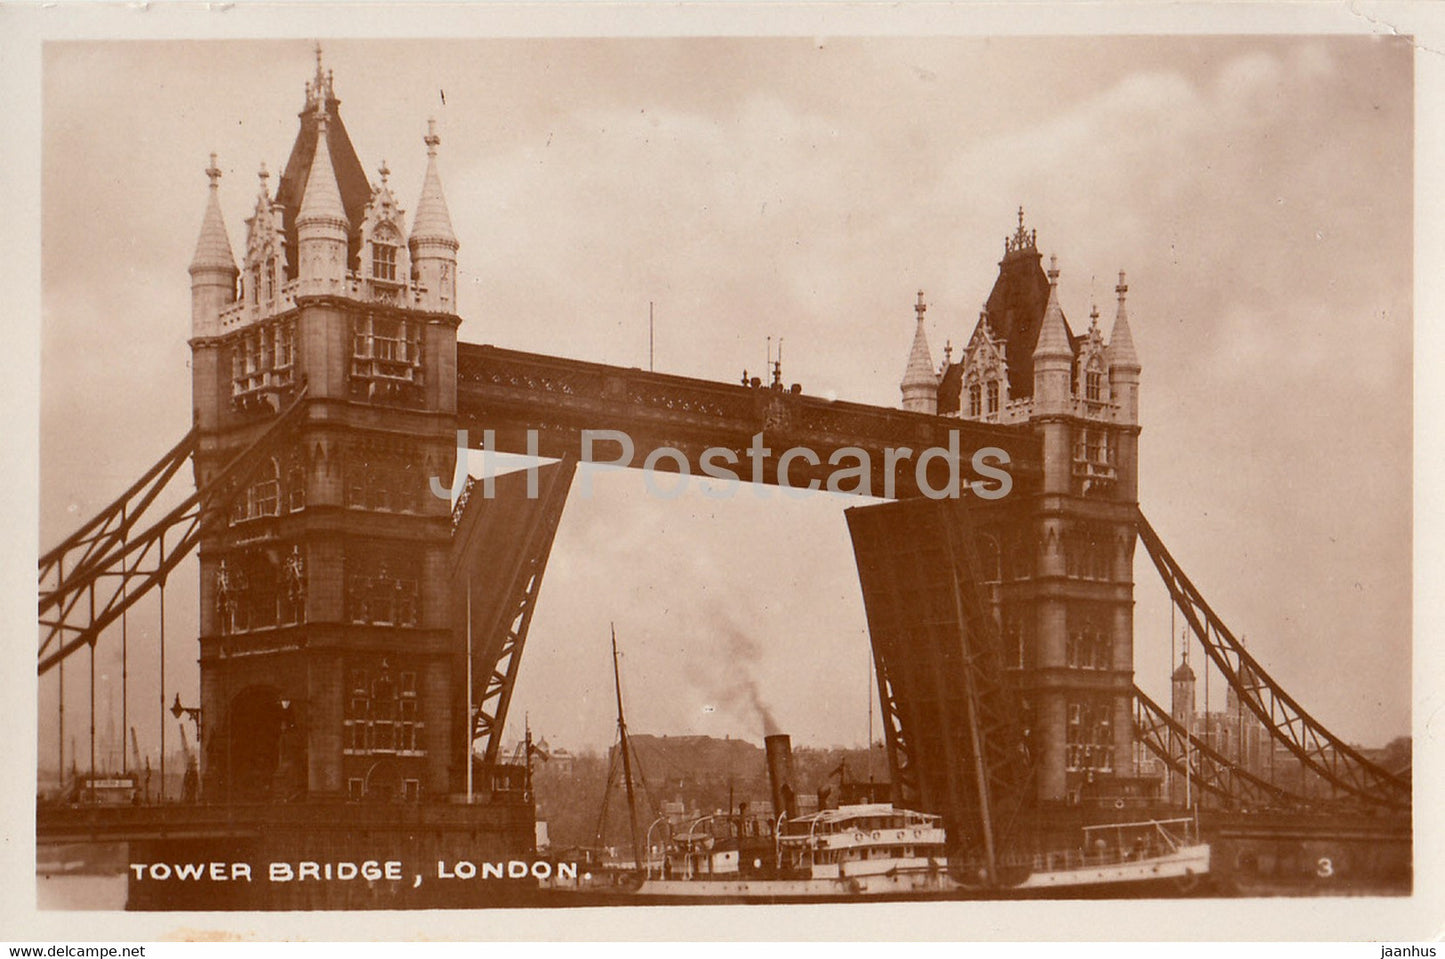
510,392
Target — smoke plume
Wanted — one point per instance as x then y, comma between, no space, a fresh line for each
732,681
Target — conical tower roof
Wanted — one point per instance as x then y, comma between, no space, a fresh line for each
213,247
1121,341
432,221
920,370
321,202
1054,339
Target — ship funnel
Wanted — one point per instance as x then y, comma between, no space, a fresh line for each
780,774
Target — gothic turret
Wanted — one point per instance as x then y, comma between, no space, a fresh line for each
213,268
322,227
920,382
1124,361
1053,355
433,244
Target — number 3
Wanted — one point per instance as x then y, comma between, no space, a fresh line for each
1324,868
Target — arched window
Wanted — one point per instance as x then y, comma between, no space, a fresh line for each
285,346
383,255
382,588
993,396
246,591
1089,743
291,598
1093,385
1087,647
975,400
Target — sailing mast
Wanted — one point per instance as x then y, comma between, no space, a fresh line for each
626,746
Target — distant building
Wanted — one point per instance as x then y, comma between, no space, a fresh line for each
1235,733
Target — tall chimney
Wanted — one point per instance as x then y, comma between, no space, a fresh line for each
780,774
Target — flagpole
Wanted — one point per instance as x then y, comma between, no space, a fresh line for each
470,719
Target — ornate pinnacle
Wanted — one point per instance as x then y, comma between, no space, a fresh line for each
431,139
214,172
1122,288
1053,269
385,172
920,307
1022,239
318,90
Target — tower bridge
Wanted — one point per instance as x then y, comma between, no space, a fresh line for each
359,637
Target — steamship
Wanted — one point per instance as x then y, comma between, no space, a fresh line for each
873,850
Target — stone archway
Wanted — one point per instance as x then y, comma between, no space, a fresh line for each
383,782
253,748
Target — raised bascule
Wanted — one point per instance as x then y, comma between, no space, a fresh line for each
360,638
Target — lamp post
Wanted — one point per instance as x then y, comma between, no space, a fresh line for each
192,713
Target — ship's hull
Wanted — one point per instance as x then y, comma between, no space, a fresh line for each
1175,874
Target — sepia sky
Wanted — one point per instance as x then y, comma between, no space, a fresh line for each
1257,190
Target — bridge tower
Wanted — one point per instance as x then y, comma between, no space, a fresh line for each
1058,565
326,643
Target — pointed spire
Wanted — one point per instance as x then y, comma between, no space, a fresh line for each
319,89
432,221
1121,341
321,203
1054,331
213,247
920,359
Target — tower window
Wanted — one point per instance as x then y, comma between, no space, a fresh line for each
383,261
993,396
285,343
1093,387
296,487
975,400
1087,647
380,722
1089,741
261,498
